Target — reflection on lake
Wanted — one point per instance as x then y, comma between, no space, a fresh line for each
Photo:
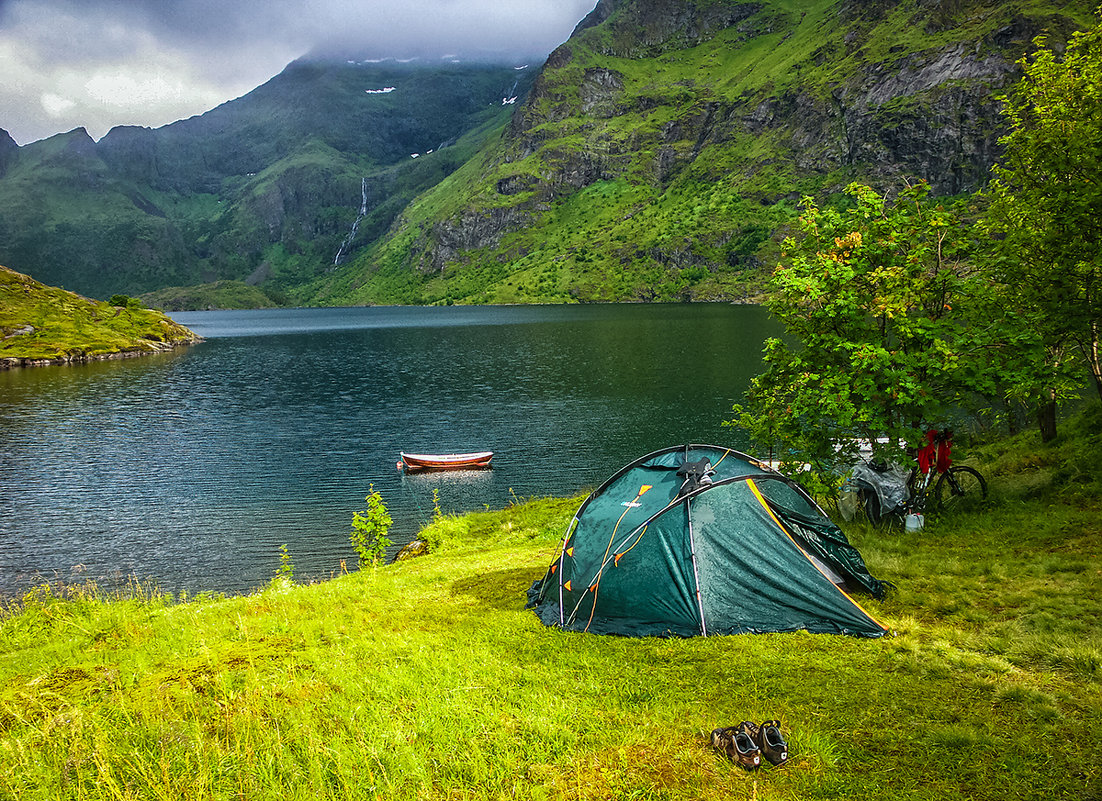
191,469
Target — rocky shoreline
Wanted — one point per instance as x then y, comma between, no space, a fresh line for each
14,362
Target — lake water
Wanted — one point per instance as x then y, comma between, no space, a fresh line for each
191,469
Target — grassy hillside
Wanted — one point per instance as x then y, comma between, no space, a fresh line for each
217,295
39,323
663,147
428,679
70,221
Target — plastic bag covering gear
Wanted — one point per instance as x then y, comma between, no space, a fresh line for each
889,484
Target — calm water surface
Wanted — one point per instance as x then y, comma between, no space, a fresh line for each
191,469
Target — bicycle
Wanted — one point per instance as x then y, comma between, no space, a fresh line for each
957,486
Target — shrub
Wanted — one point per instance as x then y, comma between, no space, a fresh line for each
369,529
286,569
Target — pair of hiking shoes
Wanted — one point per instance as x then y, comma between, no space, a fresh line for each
746,743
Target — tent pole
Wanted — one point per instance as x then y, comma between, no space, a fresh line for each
562,559
696,572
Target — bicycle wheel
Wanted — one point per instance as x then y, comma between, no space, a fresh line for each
959,488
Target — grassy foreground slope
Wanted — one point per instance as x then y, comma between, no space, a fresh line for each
428,679
43,324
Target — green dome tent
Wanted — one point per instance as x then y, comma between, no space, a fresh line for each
698,540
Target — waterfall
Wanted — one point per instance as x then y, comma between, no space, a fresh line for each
352,234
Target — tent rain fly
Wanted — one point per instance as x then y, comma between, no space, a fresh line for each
699,540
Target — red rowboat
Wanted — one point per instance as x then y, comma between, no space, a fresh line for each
447,461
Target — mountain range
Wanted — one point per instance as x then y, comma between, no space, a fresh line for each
658,154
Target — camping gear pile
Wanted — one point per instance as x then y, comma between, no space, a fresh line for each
698,540
883,490
877,488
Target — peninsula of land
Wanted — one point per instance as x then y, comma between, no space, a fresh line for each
43,325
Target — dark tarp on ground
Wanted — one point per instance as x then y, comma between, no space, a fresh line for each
746,550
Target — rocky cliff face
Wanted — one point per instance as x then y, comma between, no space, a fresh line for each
639,94
131,151
449,241
647,30
930,114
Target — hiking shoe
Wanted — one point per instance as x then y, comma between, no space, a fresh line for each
745,751
738,747
750,730
771,743
719,739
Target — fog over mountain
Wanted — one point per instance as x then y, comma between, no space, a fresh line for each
101,63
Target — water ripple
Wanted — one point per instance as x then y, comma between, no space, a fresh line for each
191,469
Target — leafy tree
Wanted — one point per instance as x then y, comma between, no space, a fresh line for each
369,529
870,297
1046,213
1033,363
125,301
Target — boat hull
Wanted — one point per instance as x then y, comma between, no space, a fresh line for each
412,462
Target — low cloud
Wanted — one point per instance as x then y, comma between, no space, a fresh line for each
56,105
101,63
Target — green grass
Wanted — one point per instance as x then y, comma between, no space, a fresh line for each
217,295
428,679
38,322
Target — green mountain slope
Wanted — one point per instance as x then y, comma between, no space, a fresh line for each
659,155
665,143
69,220
41,324
267,189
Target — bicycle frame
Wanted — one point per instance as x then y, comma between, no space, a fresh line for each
933,458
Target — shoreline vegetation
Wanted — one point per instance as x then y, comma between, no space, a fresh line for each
428,678
42,325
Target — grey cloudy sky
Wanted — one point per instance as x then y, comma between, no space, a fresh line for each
101,63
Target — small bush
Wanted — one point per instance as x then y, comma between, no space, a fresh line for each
286,569
369,529
125,301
